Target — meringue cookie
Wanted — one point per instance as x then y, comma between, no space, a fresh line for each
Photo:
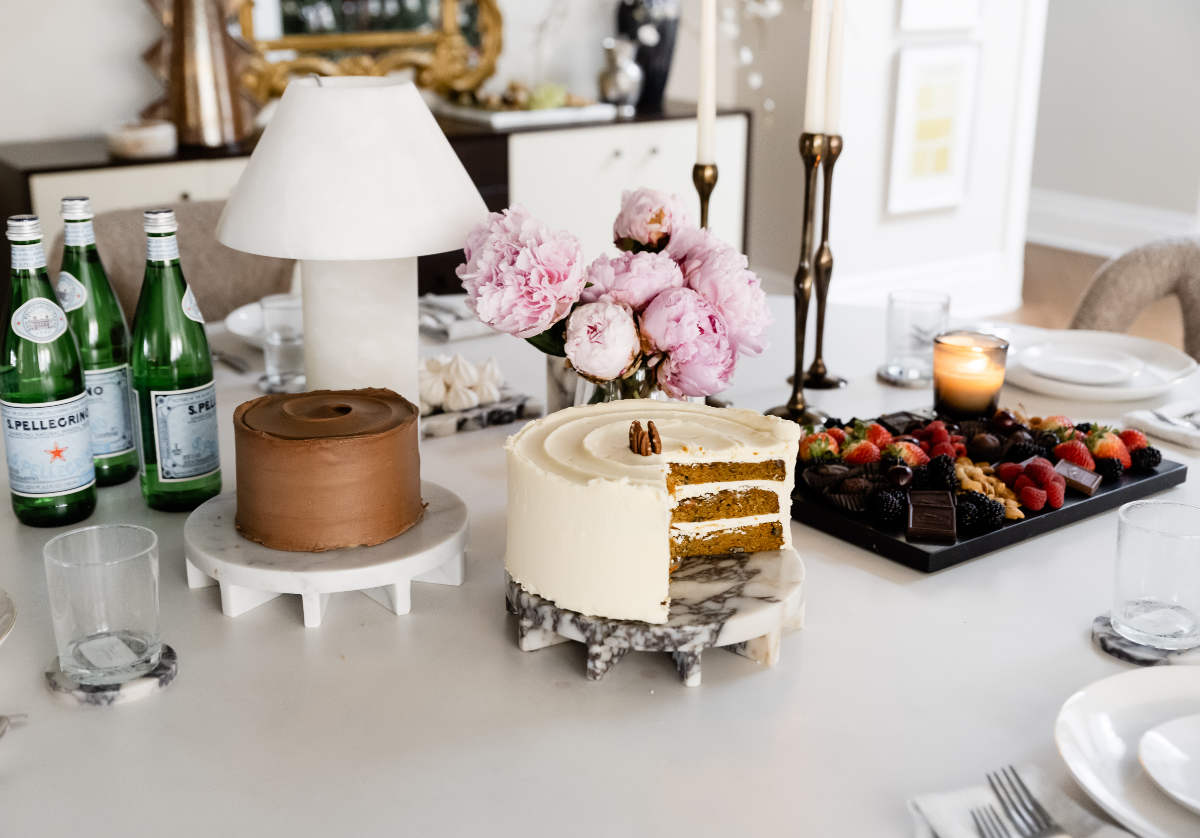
487,392
459,397
460,372
431,388
490,372
437,363
426,409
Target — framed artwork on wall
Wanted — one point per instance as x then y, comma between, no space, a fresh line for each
938,15
935,101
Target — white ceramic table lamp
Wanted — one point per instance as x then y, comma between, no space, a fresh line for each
354,177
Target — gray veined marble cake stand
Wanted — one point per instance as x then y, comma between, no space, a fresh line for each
741,603
250,574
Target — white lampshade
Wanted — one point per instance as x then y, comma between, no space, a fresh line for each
351,167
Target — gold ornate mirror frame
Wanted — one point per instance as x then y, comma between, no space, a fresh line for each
443,60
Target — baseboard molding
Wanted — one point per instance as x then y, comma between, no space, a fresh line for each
1100,226
978,286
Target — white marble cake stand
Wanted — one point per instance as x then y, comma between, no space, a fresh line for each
741,603
250,574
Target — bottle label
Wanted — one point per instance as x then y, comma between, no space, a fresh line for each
71,293
161,248
109,411
185,432
190,307
28,257
39,320
79,233
48,447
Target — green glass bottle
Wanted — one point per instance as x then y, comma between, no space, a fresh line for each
43,401
175,400
100,332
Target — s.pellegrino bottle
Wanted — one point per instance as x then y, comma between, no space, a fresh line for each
98,324
43,400
176,401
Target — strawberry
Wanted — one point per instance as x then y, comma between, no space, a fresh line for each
1023,482
1009,472
908,453
1032,498
818,446
1060,426
1040,472
1134,439
943,448
838,434
1075,452
872,432
1104,443
1056,493
860,452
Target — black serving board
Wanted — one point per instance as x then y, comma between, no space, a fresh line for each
933,557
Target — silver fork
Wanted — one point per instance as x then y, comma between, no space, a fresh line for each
1021,807
1178,421
988,822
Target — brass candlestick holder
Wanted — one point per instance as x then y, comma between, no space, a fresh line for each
818,378
812,150
704,175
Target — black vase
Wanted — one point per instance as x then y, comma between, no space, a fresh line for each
655,61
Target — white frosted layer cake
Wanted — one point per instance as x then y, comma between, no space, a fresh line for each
597,528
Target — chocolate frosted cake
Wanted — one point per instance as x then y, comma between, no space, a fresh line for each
328,469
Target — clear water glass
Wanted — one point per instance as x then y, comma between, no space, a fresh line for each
1157,593
103,588
283,344
914,319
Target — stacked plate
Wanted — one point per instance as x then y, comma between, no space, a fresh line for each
1133,743
1093,366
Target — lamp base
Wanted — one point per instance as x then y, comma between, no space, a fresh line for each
360,325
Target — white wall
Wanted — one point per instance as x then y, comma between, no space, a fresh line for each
974,250
1117,159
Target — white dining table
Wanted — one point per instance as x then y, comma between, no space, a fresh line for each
435,723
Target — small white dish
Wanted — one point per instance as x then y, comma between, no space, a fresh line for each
8,614
1097,367
247,323
1170,753
1097,733
1162,366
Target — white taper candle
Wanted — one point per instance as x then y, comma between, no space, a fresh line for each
706,98
818,52
833,84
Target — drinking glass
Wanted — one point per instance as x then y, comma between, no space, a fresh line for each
283,344
103,587
1157,594
914,318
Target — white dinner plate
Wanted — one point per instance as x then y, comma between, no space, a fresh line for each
1095,367
1161,366
1170,753
8,614
1097,733
247,323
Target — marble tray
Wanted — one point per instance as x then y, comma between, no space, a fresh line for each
741,603
250,574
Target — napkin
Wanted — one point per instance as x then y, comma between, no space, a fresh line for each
948,814
449,318
1151,424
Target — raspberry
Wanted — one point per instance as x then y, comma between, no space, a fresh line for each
1056,493
1040,472
939,435
1032,498
1022,482
942,449
1009,472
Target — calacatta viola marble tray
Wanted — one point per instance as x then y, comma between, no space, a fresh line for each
250,574
740,603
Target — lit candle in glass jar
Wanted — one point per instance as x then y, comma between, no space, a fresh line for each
968,373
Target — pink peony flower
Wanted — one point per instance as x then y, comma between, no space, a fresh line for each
602,340
688,329
632,279
520,277
648,218
720,274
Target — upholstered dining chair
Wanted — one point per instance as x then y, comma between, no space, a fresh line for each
222,279
1123,286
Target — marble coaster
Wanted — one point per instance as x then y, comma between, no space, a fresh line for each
250,574
741,603
1123,649
102,695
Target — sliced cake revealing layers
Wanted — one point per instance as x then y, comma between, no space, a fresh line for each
598,515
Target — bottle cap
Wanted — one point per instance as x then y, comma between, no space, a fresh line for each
159,221
76,209
24,228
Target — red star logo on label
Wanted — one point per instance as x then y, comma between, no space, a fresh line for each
57,452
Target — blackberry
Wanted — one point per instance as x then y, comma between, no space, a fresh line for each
1046,440
833,422
1145,460
941,473
887,507
991,514
1084,427
966,518
1109,468
920,478
1021,451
